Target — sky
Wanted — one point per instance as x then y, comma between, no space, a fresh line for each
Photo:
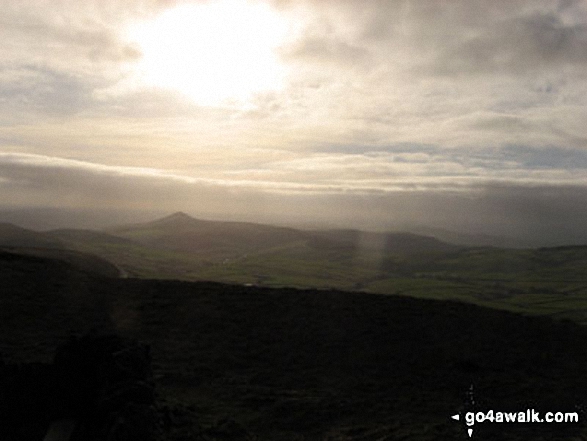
464,115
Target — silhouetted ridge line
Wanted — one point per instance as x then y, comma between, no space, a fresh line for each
14,236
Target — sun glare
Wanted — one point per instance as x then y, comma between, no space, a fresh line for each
216,52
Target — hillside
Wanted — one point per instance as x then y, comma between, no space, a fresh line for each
14,236
69,237
547,281
240,252
234,362
385,243
214,239
17,240
181,232
85,262
131,257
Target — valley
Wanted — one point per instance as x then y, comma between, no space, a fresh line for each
542,281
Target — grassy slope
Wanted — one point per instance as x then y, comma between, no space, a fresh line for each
82,261
135,259
547,281
308,365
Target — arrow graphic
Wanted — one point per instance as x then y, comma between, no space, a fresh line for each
457,417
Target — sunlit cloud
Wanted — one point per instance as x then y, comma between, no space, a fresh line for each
217,52
323,104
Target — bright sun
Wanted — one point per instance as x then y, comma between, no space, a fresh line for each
215,52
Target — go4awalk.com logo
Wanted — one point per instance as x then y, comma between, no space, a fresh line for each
527,416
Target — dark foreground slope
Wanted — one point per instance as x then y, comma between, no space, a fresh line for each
234,362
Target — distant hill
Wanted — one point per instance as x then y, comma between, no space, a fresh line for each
131,258
17,240
388,243
180,232
88,237
550,281
13,236
183,233
472,240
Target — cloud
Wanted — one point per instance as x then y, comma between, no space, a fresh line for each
517,45
29,90
401,110
543,214
324,51
399,71
414,72
67,35
54,56
34,180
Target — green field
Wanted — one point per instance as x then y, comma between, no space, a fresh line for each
547,281
544,282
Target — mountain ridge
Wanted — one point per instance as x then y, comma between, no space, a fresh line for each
180,222
181,232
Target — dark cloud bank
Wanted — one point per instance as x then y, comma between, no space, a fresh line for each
539,215
519,64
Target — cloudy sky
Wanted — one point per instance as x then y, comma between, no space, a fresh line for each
466,115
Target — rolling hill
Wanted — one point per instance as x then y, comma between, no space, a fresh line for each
181,232
214,239
266,255
385,243
14,236
546,281
15,240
